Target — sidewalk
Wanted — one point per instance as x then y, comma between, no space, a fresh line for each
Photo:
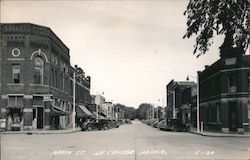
219,134
37,131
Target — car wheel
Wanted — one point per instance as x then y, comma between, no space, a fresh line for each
106,127
89,128
174,129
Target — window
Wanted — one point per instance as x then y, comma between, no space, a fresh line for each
38,70
249,114
218,112
16,73
52,77
248,79
15,101
232,83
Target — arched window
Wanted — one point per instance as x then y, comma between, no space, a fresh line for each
38,70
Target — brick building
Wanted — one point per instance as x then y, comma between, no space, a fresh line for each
36,78
224,93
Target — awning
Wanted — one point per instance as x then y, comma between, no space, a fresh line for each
103,114
97,115
56,111
82,111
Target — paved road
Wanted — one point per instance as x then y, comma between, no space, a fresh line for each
129,142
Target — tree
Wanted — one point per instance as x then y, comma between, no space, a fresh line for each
206,18
141,112
129,112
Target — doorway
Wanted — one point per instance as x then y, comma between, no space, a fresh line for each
38,116
233,116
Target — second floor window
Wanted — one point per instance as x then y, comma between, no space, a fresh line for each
16,73
232,83
38,70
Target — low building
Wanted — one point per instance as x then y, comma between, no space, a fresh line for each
179,100
225,95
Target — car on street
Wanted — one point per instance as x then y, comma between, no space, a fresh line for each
161,125
113,123
96,125
176,126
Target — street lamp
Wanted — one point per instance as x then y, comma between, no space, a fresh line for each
197,100
173,92
74,100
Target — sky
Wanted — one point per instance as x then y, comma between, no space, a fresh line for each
131,49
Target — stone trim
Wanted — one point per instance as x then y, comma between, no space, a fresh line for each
226,130
4,96
27,110
15,59
3,110
46,127
28,96
47,110
39,51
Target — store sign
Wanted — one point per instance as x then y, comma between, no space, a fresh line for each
230,61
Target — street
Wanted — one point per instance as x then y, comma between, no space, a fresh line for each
128,142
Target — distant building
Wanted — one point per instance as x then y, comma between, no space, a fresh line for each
36,78
225,94
179,96
109,109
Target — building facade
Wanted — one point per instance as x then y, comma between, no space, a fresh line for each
36,78
224,93
179,100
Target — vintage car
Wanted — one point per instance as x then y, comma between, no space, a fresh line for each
96,125
176,126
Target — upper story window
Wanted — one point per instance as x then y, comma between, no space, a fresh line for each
38,70
232,83
248,79
16,73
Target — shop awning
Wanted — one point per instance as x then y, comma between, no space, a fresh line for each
97,115
56,111
102,114
82,111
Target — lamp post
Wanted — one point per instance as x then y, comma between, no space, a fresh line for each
197,102
74,100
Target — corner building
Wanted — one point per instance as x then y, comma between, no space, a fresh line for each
225,94
35,77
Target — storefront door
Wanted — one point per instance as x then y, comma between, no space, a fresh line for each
39,117
232,117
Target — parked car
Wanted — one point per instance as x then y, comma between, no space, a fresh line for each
113,123
96,124
128,121
176,126
155,123
2,124
162,124
16,124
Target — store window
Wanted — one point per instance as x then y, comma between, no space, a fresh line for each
219,110
249,114
16,73
15,101
38,70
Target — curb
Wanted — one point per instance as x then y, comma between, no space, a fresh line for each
222,135
41,132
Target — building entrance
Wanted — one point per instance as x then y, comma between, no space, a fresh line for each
38,117
232,117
